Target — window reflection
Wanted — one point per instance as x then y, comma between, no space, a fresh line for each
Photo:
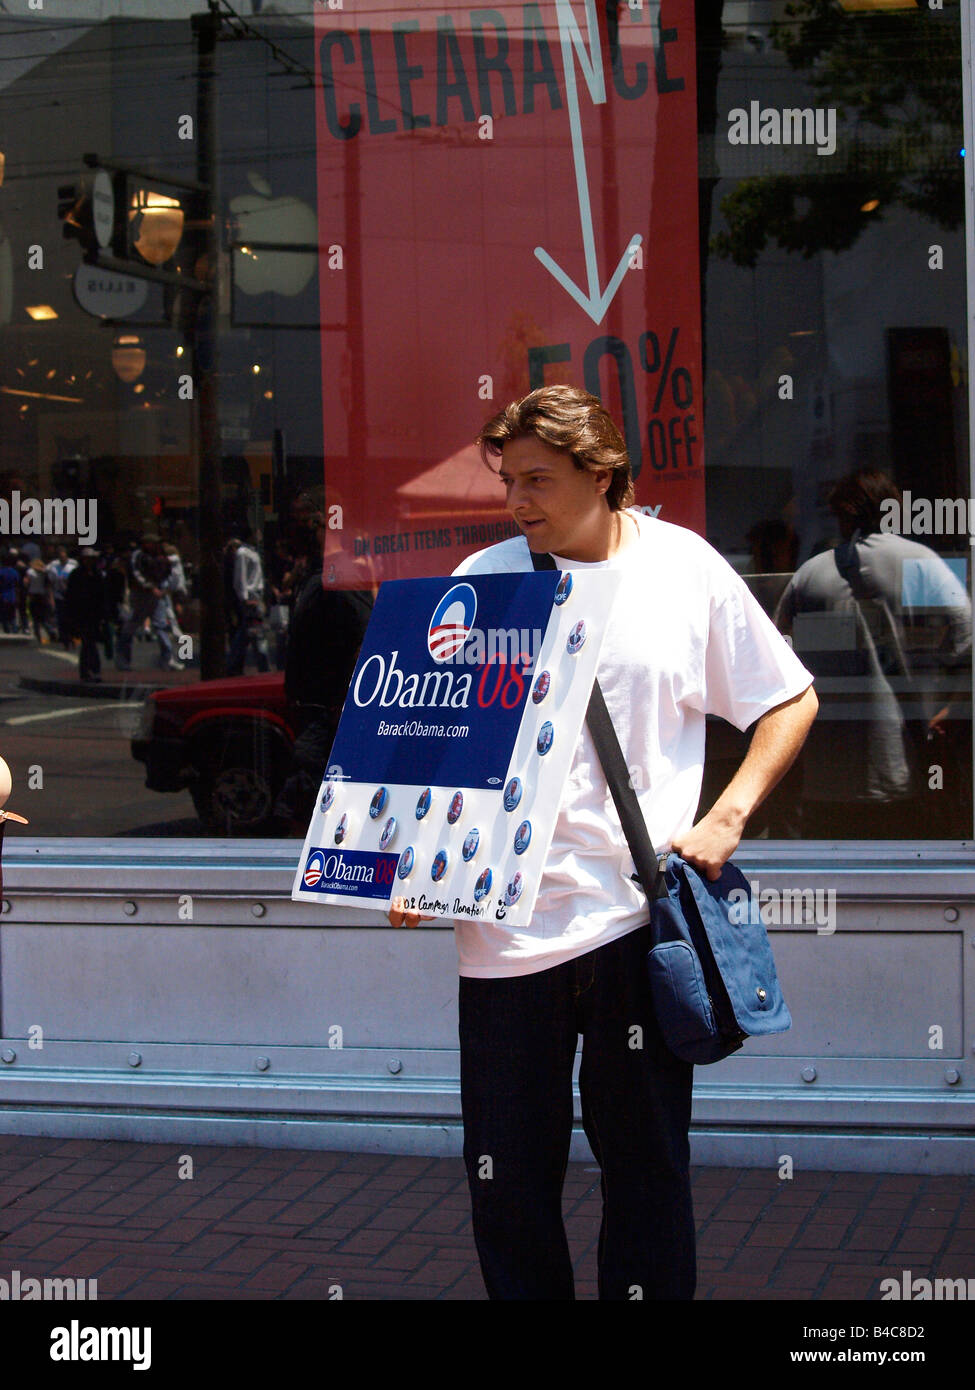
884,624
835,370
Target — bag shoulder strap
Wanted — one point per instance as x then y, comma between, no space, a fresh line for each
617,773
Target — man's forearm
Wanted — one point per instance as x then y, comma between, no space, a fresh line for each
778,737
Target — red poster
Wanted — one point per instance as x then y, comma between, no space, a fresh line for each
507,197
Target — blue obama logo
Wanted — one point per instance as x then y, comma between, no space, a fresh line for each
451,623
314,869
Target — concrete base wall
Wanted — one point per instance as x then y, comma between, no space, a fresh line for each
145,995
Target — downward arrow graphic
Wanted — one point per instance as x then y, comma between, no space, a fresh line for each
596,301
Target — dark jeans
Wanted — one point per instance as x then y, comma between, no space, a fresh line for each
518,1039
89,658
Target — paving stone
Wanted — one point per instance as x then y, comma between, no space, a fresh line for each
261,1224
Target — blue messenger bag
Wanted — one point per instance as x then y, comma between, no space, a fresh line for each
712,975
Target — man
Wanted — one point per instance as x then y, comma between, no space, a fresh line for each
326,627
149,571
60,569
684,638
887,625
248,589
85,612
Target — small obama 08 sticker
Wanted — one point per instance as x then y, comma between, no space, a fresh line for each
341,829
483,885
439,866
328,796
512,794
389,830
513,891
541,687
456,806
545,736
523,837
576,638
405,866
470,844
378,803
423,803
564,589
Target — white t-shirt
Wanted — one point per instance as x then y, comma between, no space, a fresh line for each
685,638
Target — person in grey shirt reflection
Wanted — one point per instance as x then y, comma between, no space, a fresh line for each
884,623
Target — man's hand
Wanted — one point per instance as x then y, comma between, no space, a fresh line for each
711,843
397,909
779,735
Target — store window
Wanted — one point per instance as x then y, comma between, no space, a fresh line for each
262,278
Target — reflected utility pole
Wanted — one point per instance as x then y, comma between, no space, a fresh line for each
206,28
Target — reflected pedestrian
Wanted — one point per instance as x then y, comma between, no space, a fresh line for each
37,583
84,612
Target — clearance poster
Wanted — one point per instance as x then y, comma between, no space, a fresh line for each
455,741
507,198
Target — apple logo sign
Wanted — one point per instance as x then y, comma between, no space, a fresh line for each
261,221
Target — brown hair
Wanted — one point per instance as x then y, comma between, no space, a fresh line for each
565,417
856,500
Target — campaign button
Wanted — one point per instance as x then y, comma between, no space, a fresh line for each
314,869
328,796
523,837
564,588
378,803
405,867
439,866
456,806
541,687
341,829
470,844
512,794
545,735
423,803
483,885
513,891
389,830
576,638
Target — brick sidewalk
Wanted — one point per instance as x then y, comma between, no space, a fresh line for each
288,1224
